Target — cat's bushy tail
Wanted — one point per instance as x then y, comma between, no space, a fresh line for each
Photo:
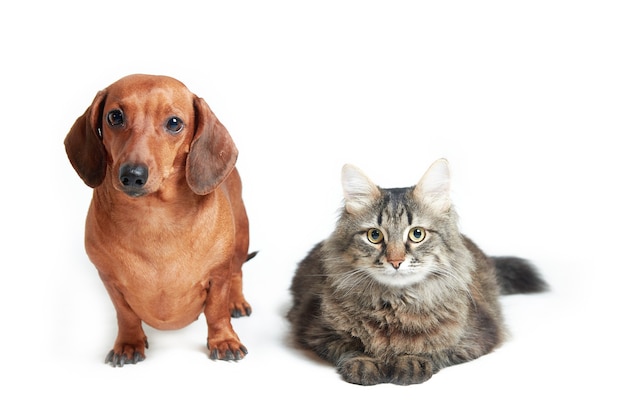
518,276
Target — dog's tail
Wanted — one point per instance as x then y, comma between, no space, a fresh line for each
252,255
518,276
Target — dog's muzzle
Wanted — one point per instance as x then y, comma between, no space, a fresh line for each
133,178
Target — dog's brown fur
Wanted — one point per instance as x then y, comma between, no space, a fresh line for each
166,229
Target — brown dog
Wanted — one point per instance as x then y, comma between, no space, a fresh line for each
167,228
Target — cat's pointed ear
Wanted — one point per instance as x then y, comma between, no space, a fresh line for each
358,190
434,187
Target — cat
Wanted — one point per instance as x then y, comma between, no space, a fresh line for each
396,293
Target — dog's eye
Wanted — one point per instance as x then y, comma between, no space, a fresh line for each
174,125
115,118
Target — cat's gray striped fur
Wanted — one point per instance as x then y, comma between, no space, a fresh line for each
397,293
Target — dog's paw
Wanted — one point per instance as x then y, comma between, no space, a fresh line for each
227,351
240,309
126,353
120,359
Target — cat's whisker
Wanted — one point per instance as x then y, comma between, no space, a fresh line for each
456,282
349,280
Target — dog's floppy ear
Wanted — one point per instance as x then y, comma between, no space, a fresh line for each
212,154
83,144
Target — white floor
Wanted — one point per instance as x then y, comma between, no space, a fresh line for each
526,101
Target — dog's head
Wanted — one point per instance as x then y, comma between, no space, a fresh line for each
145,130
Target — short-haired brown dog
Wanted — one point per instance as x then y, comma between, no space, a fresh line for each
167,229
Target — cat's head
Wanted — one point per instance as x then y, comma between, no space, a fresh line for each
398,236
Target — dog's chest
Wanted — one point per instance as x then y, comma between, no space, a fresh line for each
154,247
163,277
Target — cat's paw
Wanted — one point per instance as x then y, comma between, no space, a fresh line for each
362,370
411,369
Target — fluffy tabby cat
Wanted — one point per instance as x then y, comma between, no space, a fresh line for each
397,293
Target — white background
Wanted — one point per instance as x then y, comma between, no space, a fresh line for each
526,99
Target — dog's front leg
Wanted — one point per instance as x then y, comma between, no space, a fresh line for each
131,340
222,341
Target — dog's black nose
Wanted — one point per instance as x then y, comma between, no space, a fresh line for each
133,178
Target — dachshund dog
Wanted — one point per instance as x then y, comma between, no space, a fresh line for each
166,229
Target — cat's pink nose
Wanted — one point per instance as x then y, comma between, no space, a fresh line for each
396,263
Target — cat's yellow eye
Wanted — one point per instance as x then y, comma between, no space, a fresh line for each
417,234
375,235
